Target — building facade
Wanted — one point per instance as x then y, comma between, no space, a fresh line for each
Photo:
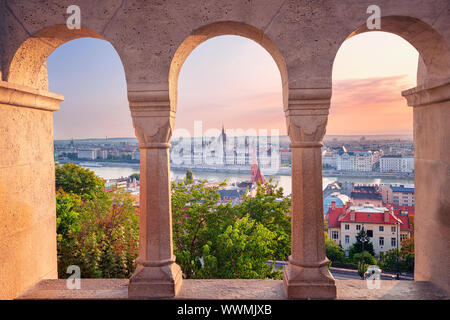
384,228
404,164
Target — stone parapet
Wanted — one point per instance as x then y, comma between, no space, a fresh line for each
22,96
429,93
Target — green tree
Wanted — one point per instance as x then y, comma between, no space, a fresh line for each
368,258
100,236
270,208
214,240
78,180
189,176
357,246
197,222
97,231
334,252
136,176
388,260
243,251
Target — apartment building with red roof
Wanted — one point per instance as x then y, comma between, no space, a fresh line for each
386,226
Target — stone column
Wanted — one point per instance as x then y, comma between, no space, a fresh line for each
307,274
157,274
27,188
431,110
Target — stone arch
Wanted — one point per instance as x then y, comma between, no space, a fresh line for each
216,29
433,49
28,65
430,102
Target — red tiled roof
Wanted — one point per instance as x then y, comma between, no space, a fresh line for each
333,217
404,226
368,217
399,209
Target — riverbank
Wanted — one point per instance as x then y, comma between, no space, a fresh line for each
283,171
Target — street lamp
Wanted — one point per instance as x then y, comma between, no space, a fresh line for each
397,240
363,239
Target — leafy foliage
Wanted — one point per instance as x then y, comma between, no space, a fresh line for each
388,260
357,246
136,176
334,252
189,176
78,180
271,209
215,240
368,258
96,231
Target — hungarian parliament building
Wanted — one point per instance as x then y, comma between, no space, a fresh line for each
225,151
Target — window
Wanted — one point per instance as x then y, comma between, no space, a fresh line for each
358,227
393,229
402,237
393,242
381,241
334,234
347,239
370,233
347,227
381,228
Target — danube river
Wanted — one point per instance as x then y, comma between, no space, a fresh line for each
111,172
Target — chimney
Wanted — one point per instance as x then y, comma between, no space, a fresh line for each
386,216
352,215
333,204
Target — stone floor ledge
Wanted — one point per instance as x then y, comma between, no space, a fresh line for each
235,289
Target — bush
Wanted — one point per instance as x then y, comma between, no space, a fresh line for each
334,252
75,179
368,258
362,271
388,261
215,240
96,231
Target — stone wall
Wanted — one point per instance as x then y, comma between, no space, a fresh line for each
153,38
27,191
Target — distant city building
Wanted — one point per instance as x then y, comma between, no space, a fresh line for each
398,195
345,162
285,156
329,159
360,161
136,155
362,195
226,151
255,175
363,161
90,154
102,154
335,199
345,188
395,163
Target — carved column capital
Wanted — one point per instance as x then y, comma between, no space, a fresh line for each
153,117
307,116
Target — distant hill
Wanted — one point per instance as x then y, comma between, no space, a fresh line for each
283,139
376,137
97,140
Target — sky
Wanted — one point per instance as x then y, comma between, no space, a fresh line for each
242,91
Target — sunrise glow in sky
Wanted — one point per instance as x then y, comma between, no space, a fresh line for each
234,81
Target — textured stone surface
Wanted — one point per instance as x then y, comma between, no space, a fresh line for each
431,103
27,188
236,289
153,38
